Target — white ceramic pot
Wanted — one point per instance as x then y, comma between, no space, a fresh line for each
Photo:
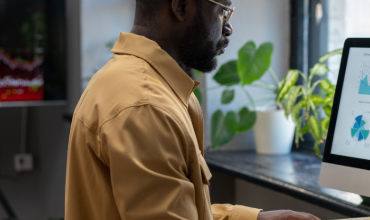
273,133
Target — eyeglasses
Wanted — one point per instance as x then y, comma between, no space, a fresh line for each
228,12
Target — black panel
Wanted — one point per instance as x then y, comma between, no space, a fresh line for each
32,48
297,32
55,58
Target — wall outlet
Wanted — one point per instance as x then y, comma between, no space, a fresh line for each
23,162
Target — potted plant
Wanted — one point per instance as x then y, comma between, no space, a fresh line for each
273,129
304,107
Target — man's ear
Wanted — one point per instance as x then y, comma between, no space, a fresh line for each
178,8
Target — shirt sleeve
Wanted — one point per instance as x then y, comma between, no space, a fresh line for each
234,212
146,151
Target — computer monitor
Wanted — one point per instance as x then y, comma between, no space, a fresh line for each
346,161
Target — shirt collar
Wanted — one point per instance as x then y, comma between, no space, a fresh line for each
160,60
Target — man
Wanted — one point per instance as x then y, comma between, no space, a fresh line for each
136,142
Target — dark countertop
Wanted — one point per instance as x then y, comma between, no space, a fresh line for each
295,174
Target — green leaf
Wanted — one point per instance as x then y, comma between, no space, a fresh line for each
314,126
290,80
296,112
291,100
232,120
303,102
325,85
327,109
325,124
109,44
332,91
315,85
227,96
298,132
329,54
317,150
198,94
330,95
246,120
304,129
225,127
221,130
317,100
198,73
328,99
253,62
227,75
319,69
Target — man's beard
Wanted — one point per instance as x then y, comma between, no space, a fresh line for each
196,50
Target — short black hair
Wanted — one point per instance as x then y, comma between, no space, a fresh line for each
149,8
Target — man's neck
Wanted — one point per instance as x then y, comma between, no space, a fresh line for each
151,33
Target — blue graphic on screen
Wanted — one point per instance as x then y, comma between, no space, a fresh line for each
364,83
364,87
360,130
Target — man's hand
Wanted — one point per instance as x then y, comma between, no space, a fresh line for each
285,215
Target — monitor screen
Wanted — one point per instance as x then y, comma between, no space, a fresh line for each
346,164
352,130
32,50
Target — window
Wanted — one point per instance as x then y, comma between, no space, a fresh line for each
346,18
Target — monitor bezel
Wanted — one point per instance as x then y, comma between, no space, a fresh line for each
328,157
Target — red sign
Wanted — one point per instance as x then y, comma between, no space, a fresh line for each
21,80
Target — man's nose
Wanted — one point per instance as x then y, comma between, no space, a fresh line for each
227,30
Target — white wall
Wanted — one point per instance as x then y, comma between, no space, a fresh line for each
260,21
101,22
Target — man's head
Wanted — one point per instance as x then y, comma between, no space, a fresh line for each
195,29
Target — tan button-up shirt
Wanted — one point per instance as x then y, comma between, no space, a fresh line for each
136,143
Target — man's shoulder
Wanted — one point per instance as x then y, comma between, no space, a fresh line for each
125,81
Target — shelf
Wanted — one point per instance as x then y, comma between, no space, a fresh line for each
295,174
32,103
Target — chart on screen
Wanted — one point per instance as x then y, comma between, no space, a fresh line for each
360,129
364,88
352,130
359,132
